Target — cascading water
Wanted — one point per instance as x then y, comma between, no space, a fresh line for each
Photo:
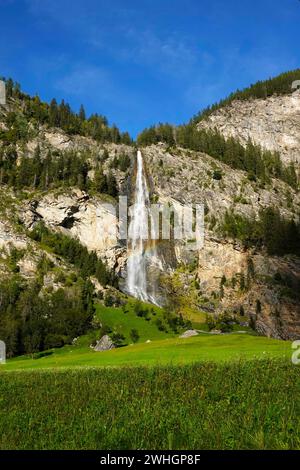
141,249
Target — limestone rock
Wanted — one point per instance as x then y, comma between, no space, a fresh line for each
91,220
273,123
104,344
8,237
189,334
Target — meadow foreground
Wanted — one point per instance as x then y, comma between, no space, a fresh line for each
209,405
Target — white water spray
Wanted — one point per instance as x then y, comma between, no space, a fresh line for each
137,282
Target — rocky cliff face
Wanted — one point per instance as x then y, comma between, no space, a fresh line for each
273,123
266,301
185,177
89,219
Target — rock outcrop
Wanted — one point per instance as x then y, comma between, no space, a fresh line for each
104,344
189,334
91,220
273,123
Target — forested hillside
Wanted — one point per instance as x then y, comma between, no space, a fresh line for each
34,111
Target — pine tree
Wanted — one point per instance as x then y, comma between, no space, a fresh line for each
100,182
37,166
82,115
53,113
112,189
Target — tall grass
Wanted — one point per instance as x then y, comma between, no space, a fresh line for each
246,405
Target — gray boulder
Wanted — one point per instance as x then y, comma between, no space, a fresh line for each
189,334
104,344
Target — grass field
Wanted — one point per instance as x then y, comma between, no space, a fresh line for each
238,405
205,347
125,320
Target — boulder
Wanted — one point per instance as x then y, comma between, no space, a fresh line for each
104,344
189,333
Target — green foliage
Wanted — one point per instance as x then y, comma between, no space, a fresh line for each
156,134
15,255
134,335
239,405
59,115
31,321
55,170
18,129
150,322
121,162
217,175
258,307
166,321
117,338
111,183
71,249
140,309
278,235
223,322
258,163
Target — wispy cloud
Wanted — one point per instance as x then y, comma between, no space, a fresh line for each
225,70
169,54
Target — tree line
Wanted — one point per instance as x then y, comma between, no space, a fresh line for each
32,321
75,253
61,115
279,85
56,169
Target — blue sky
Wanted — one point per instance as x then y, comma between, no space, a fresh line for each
141,62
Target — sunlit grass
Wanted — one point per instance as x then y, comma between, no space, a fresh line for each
238,405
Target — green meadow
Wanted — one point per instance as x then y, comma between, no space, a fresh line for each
154,346
228,391
176,351
209,405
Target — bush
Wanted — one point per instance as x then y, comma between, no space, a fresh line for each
134,335
217,175
278,235
117,338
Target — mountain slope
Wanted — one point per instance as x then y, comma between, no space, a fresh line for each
54,178
273,123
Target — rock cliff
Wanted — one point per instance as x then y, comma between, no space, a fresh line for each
273,123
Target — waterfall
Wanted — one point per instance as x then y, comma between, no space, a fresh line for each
141,249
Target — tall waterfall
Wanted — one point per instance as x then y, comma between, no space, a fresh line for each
139,245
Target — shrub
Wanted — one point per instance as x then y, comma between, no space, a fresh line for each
134,335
